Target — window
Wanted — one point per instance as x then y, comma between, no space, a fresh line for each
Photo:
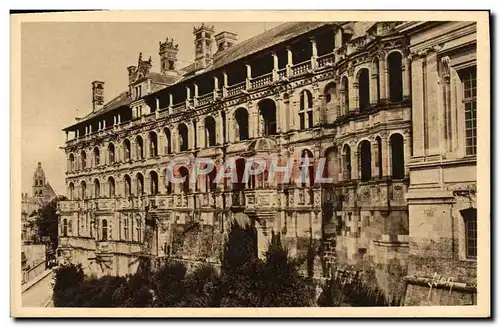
168,145
128,185
183,135
97,188
97,157
209,131
111,153
397,156
241,116
83,187
111,187
394,61
71,162
126,146
71,191
104,230
306,111
365,155
153,180
153,144
139,147
470,221
83,158
140,184
364,89
468,77
346,156
267,109
345,92
138,229
125,229
65,227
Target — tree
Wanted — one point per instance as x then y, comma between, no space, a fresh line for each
47,221
168,284
66,281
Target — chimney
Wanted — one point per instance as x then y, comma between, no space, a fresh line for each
225,40
97,96
203,41
168,56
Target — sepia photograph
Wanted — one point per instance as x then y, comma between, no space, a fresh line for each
308,164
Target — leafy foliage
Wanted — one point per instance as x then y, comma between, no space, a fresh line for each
47,221
351,290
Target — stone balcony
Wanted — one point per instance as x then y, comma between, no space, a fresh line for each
76,242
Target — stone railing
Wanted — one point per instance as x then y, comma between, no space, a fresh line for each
282,73
236,88
176,108
206,98
327,59
237,199
301,68
261,80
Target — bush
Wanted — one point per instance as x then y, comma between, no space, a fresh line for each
66,281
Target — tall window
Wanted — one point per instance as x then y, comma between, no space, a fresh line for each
346,157
140,184
153,180
83,158
111,153
97,157
139,146
394,62
83,187
364,89
267,109
126,148
138,227
470,221
97,188
71,162
345,93
168,140
366,160
104,230
65,227
71,191
128,185
397,156
241,116
125,228
306,109
153,144
468,77
111,187
183,137
209,131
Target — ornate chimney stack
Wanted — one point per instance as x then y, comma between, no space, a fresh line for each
225,40
203,42
168,56
97,95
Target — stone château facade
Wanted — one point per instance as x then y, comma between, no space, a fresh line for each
349,92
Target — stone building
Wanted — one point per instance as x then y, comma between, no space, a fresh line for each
42,193
302,90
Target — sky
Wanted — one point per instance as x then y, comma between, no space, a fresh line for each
60,60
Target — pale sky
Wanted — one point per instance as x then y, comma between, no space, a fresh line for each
59,62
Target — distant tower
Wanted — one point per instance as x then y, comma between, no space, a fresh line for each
168,56
38,181
203,45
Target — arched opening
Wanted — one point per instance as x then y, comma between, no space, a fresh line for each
394,61
330,96
209,131
97,157
168,141
127,150
168,183
239,184
210,185
104,235
83,190
184,172
128,185
111,187
139,147
71,162
307,169
153,144
364,89
83,159
241,116
345,95
378,139
153,180
332,164
365,155
97,188
111,153
183,137
306,110
267,110
346,156
71,191
139,184
65,227
397,156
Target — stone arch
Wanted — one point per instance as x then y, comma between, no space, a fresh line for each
210,132
97,156
127,185
396,144
127,150
153,182
363,80
395,75
83,190
365,157
331,101
111,153
97,188
71,191
83,159
168,140
183,137
267,112
241,124
139,146
332,163
111,187
139,180
153,144
346,159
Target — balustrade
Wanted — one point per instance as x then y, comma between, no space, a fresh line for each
301,68
236,88
261,80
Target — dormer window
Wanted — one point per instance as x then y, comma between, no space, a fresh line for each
138,91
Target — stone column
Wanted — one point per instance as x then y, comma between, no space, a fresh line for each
314,56
218,129
374,158
354,96
249,76
354,162
385,155
254,124
229,123
407,151
353,91
406,78
289,62
373,85
275,66
279,114
383,77
201,134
